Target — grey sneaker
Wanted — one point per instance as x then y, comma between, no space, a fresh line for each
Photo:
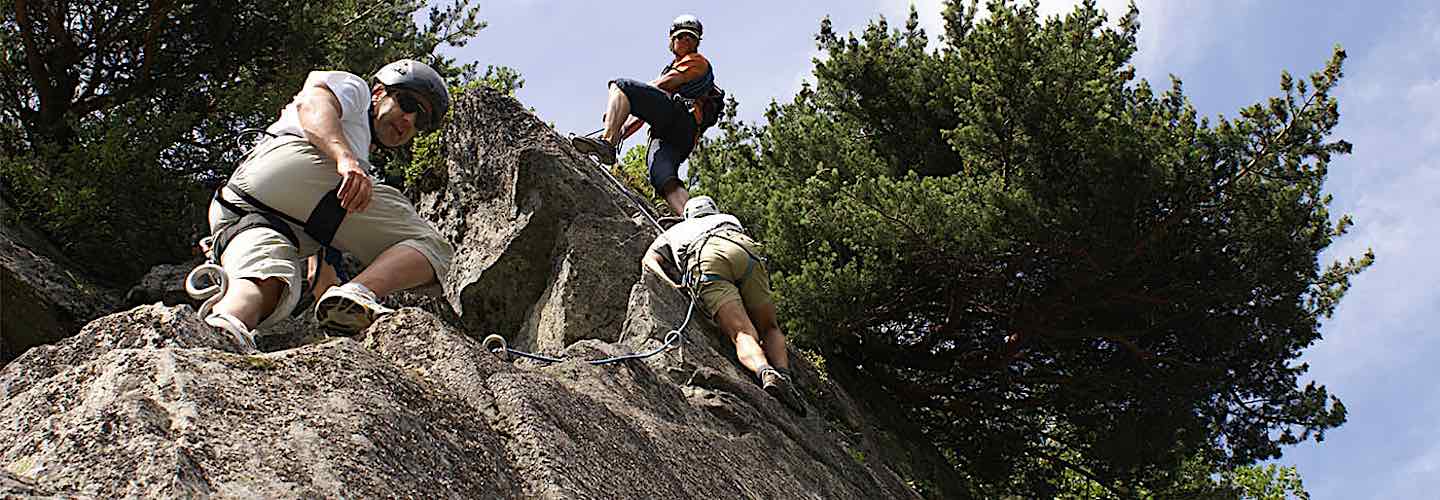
778,385
600,148
349,309
231,325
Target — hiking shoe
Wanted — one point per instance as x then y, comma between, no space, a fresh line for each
778,385
232,326
601,149
349,309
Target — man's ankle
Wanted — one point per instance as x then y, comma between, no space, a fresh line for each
360,287
760,372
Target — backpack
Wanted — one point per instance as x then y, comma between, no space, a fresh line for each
712,107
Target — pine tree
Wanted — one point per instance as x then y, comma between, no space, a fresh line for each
1057,270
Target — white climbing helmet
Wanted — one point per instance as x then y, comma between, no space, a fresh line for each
700,206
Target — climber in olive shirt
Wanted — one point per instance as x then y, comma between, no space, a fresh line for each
712,249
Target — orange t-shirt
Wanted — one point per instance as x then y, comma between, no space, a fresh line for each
695,79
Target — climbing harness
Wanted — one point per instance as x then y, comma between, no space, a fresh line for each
322,225
749,265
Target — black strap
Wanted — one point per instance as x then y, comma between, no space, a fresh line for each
324,220
246,222
254,202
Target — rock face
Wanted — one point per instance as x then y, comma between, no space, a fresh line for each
42,302
165,284
150,402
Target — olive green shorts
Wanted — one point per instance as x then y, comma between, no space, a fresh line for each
290,175
729,273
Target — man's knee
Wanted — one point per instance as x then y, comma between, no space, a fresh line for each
271,288
671,186
436,250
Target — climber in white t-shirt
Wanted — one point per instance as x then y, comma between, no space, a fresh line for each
308,187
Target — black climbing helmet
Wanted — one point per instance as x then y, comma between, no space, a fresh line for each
416,76
687,23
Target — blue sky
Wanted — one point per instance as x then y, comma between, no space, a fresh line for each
1376,355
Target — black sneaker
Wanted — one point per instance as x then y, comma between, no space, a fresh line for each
600,148
779,387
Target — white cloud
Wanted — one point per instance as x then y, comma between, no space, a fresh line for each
1390,111
1379,348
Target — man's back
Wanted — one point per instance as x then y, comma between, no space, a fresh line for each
680,239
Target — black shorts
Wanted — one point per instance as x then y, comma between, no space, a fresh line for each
672,130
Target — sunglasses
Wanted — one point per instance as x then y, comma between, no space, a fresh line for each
683,35
410,103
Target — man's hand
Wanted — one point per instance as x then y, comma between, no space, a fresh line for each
356,188
655,263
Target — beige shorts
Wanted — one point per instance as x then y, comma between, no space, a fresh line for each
290,175
729,273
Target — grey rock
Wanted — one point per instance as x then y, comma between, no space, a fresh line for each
42,300
164,284
153,403
15,486
546,247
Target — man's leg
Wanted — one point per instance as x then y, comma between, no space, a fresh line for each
261,267
352,307
736,324
402,251
251,300
322,275
617,110
777,384
663,159
398,268
773,339
676,196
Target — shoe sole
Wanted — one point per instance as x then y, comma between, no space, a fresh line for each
590,148
345,316
782,394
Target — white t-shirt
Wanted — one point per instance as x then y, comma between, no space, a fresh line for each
678,242
354,96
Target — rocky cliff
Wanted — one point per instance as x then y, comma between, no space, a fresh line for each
44,298
150,402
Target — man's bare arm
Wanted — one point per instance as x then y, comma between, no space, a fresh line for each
655,263
672,80
319,112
